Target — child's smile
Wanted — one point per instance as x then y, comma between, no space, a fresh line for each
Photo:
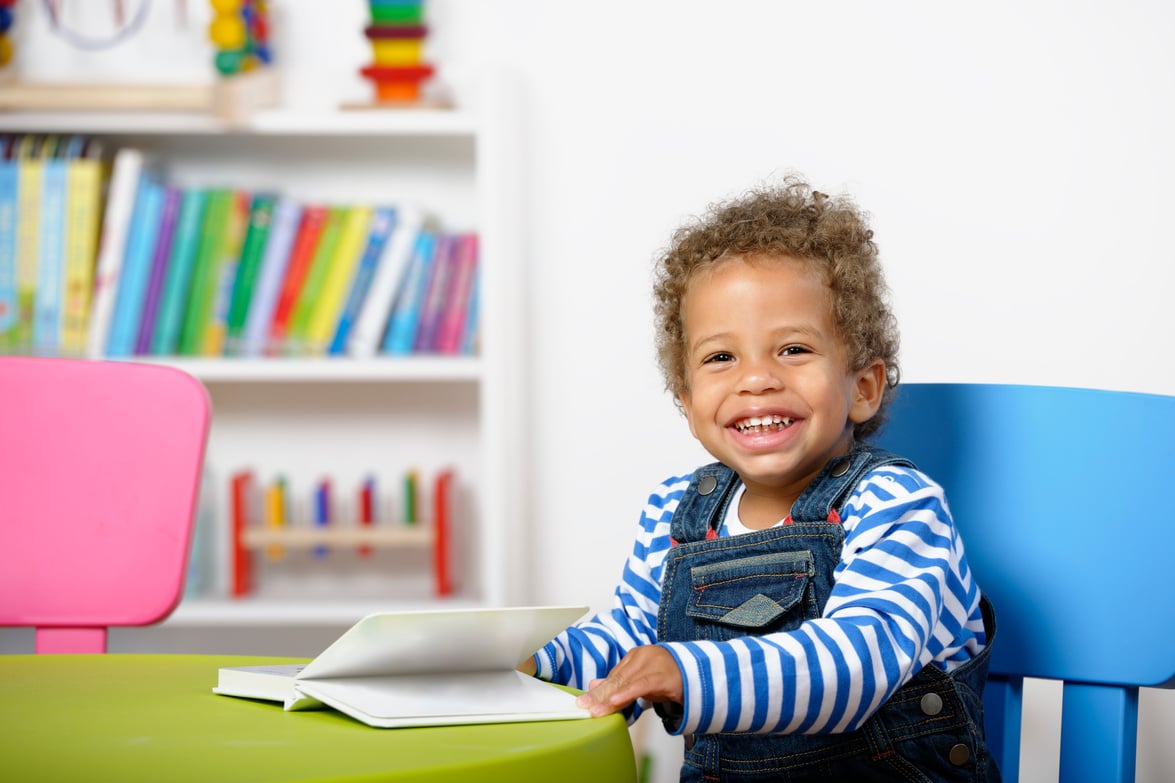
769,390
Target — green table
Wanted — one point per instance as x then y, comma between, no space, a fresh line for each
154,718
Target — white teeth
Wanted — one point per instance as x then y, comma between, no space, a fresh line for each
763,423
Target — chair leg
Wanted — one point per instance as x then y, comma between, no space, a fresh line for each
70,640
1099,733
1003,699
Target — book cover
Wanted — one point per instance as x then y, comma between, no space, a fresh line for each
30,176
9,193
452,327
423,668
405,318
371,324
383,220
287,214
83,210
136,268
161,254
218,203
50,263
316,274
125,173
216,330
165,338
434,296
324,316
252,252
301,256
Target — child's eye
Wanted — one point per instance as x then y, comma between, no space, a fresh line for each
720,356
793,350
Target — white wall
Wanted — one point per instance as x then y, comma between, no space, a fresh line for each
1016,157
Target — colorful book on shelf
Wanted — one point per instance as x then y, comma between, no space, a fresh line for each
405,318
432,308
312,286
470,345
83,211
423,668
216,330
301,256
218,204
325,313
368,331
50,262
383,220
125,175
136,267
9,193
287,214
165,338
252,252
30,174
456,312
160,256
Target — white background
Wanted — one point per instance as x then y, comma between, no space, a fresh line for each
1016,158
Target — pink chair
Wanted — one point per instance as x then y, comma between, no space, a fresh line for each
99,474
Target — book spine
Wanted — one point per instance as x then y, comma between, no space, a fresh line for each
452,326
83,217
324,316
120,200
252,251
242,489
442,525
316,276
9,193
287,214
159,258
169,323
216,331
28,238
373,318
206,271
50,264
405,318
469,340
434,297
383,219
136,268
301,256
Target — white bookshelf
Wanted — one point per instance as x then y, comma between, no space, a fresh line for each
305,418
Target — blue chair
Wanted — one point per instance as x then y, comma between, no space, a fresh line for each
1063,499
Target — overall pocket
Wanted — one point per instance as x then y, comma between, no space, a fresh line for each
751,596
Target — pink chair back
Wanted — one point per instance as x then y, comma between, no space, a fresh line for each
99,475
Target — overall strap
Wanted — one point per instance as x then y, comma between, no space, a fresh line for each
708,493
829,490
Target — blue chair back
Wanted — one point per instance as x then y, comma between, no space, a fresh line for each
1062,499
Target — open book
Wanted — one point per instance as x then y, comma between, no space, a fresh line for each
423,668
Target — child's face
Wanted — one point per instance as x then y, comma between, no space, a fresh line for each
769,392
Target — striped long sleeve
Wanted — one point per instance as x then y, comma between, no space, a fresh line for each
903,598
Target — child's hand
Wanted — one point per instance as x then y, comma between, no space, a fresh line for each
649,672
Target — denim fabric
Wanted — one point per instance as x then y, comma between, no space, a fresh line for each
773,580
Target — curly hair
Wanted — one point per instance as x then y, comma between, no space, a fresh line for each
793,220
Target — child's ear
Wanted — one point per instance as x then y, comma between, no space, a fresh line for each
683,397
868,386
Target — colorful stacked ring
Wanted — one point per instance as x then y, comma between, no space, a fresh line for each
397,35
5,25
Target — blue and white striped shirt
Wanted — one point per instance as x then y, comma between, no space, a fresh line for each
903,598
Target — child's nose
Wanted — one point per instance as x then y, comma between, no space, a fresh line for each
761,375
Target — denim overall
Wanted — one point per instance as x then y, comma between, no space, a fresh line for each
772,580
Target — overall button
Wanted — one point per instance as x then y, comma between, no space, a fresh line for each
840,468
707,484
959,754
931,704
